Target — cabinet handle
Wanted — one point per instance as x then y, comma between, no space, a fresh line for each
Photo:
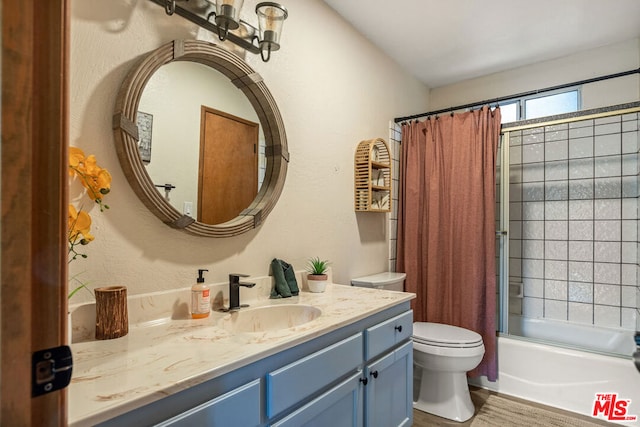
398,328
364,381
374,374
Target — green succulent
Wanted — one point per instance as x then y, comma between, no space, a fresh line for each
317,266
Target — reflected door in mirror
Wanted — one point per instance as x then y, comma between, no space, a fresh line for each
228,166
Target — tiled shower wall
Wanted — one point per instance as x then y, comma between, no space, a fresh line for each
395,137
574,221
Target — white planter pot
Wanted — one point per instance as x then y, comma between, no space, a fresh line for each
317,283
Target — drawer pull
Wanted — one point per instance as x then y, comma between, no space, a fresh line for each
374,374
364,381
398,328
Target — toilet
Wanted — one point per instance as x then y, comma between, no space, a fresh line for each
388,281
442,355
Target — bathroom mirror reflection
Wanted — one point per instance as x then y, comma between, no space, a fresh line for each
187,175
201,141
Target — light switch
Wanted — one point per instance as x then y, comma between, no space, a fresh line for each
187,208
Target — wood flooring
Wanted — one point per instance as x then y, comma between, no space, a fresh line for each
479,396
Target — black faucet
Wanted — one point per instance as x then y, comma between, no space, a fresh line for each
234,290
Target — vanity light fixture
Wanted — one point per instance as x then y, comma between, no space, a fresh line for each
270,18
226,16
223,17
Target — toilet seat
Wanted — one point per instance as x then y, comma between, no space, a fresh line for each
447,336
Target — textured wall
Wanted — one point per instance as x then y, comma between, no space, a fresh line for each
333,89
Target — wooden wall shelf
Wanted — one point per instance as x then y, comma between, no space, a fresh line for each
373,176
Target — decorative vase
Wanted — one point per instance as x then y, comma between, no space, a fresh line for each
317,282
112,320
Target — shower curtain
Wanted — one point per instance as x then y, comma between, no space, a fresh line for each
446,223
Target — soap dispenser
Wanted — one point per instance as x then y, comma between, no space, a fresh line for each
200,299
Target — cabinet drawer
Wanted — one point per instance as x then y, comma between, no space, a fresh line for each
341,406
297,381
387,334
240,407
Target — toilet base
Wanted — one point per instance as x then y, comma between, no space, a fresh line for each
445,394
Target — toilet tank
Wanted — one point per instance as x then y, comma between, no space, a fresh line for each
389,281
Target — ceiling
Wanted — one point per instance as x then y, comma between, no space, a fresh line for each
444,42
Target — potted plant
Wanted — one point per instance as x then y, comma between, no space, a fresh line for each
317,277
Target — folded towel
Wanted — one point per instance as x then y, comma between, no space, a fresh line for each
285,279
290,275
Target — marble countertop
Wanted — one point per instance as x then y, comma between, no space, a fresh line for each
166,352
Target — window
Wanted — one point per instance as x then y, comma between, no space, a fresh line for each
535,106
509,112
566,102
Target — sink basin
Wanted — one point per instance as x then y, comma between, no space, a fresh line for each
269,318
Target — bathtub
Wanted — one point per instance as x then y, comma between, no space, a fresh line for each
566,378
614,341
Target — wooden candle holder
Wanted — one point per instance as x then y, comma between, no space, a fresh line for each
112,320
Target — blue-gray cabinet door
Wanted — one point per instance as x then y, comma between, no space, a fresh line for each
239,407
306,377
341,406
389,389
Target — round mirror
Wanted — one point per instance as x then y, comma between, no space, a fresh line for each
201,139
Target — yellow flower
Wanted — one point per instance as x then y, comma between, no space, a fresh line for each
76,157
95,179
97,182
79,225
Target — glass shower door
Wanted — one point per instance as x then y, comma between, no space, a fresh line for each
567,235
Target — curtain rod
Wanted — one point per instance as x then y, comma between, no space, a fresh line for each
519,95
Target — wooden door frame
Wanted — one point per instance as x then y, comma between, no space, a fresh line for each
33,266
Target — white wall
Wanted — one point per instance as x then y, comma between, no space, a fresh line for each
333,89
580,66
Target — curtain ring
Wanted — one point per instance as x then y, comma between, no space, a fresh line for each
170,7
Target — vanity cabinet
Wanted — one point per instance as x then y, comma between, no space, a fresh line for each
388,353
372,189
357,375
379,394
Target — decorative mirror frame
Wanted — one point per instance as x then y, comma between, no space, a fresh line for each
245,79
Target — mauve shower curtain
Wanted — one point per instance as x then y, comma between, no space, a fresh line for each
446,223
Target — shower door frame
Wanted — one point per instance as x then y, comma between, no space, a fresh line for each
503,234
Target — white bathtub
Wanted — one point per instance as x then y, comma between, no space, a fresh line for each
604,340
566,378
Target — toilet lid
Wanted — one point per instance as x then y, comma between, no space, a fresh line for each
445,335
